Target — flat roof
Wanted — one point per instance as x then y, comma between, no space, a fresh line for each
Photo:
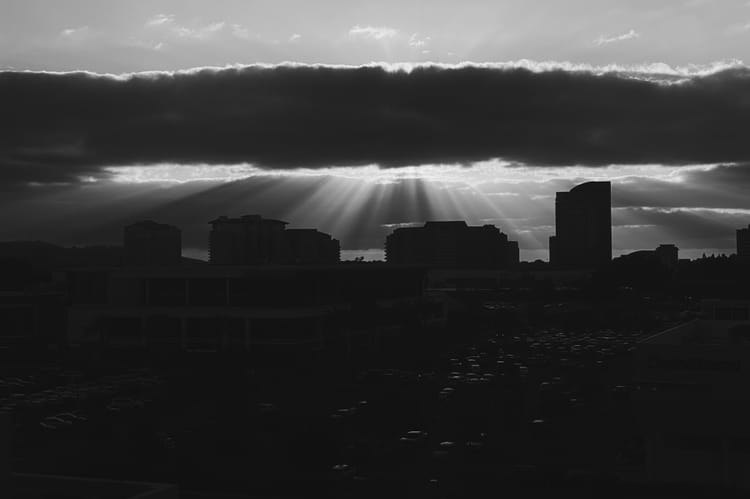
233,270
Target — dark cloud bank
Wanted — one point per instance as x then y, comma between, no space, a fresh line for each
57,127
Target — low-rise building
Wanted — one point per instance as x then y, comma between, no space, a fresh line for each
452,244
666,255
693,403
254,240
240,309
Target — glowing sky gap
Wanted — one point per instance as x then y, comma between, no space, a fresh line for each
346,201
479,173
517,199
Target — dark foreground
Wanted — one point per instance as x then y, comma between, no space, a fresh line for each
532,413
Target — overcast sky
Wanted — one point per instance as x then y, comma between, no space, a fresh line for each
119,36
384,114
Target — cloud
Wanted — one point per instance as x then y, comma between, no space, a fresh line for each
75,33
160,20
295,37
418,42
689,228
373,32
722,187
738,28
168,22
201,32
144,44
241,32
630,35
59,127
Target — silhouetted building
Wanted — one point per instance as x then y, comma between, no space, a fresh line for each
666,255
310,246
254,240
743,243
152,244
248,240
583,227
451,244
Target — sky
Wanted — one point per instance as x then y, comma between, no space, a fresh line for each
359,117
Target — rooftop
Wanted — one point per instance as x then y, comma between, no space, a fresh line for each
592,186
246,219
222,271
151,225
445,223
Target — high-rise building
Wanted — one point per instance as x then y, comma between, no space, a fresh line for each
743,243
451,244
149,243
583,227
254,240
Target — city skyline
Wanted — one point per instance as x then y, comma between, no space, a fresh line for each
359,249
583,237
170,110
202,251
